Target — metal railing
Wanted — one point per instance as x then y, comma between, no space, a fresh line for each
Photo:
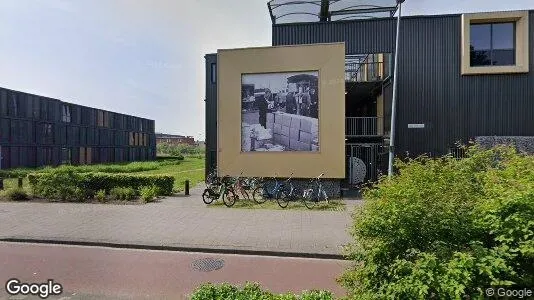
365,162
363,126
365,72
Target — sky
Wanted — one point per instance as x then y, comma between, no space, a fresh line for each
144,57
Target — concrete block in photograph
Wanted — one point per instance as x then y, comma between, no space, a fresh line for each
285,131
314,125
284,141
295,122
270,125
305,137
277,129
286,120
315,137
277,119
294,133
293,144
270,117
277,138
305,125
304,146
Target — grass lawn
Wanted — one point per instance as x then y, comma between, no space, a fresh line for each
191,168
333,205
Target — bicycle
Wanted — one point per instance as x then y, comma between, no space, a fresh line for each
252,183
212,178
314,192
223,190
262,193
287,193
237,186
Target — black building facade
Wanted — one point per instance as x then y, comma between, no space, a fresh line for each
40,131
438,104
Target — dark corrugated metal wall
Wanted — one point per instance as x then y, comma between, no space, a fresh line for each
211,114
431,87
368,36
32,133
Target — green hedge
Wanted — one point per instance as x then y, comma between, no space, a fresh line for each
67,184
445,228
252,291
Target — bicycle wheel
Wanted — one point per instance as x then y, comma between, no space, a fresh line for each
259,195
283,200
310,198
206,196
244,194
284,196
229,197
324,195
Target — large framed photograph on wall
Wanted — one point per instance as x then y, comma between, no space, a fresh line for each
280,112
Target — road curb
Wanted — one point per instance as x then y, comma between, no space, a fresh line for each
175,248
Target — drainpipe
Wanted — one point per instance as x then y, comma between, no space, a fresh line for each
394,99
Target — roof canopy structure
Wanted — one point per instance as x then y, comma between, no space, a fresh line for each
294,11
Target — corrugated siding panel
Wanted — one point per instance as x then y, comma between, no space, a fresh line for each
371,36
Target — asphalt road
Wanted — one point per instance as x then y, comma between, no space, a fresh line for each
106,273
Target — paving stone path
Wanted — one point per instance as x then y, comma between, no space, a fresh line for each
179,222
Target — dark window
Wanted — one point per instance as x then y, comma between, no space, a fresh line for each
3,103
46,156
13,105
46,133
66,156
44,109
213,73
36,108
65,113
100,121
493,44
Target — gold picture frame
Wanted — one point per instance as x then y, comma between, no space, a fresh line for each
329,61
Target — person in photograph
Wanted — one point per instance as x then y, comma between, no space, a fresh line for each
291,104
314,104
276,101
263,104
305,105
299,100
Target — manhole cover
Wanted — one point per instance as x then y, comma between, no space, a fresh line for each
207,264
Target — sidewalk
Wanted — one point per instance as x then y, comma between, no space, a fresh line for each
180,223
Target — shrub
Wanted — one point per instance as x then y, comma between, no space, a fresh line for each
122,193
96,181
79,194
16,194
179,150
101,195
251,291
148,193
444,228
61,183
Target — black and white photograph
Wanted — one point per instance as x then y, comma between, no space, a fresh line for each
280,112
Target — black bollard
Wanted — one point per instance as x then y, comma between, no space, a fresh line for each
20,182
187,187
